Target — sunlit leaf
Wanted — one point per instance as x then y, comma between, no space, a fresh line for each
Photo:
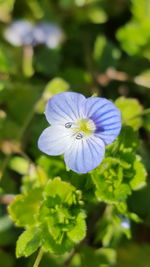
131,110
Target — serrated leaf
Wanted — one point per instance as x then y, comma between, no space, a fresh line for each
79,231
139,178
61,216
108,180
121,170
62,189
24,208
28,243
50,245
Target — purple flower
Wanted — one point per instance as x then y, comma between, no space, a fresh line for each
49,34
22,32
80,129
125,223
19,33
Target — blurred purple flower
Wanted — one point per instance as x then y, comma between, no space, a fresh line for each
24,33
19,33
80,129
49,34
125,223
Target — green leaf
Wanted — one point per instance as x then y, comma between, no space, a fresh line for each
28,242
139,178
19,164
128,141
79,231
55,86
105,54
121,170
108,180
97,15
50,245
130,108
57,211
140,9
23,210
65,191
135,35
6,6
61,216
53,167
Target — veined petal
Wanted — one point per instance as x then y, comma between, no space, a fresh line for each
85,155
55,140
106,116
65,107
94,105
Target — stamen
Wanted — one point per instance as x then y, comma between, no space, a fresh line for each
68,124
79,136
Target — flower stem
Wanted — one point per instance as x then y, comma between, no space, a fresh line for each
39,258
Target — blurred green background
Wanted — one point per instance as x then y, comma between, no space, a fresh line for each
100,46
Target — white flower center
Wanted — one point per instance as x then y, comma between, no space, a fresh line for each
82,128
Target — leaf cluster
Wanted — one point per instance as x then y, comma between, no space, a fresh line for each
52,216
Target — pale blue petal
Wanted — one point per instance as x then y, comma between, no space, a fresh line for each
95,104
65,107
85,155
106,116
55,140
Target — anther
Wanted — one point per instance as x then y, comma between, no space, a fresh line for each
79,136
68,124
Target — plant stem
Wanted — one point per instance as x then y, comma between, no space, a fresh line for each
39,258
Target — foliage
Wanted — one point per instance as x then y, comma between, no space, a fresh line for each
53,218
134,36
95,219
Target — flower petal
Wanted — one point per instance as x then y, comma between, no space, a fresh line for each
85,155
106,116
65,107
55,140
